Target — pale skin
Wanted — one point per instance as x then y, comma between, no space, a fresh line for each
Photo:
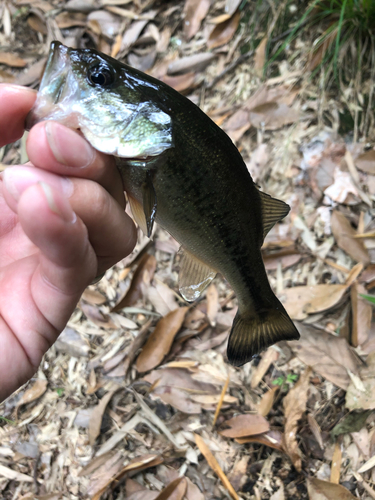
62,223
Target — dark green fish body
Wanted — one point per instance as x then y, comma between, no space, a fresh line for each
183,171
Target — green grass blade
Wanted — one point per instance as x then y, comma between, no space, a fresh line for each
370,298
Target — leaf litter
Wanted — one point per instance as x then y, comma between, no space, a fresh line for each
136,400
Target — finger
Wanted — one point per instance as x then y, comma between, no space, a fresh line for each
15,103
112,232
67,260
54,147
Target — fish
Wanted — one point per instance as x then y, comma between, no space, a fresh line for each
181,170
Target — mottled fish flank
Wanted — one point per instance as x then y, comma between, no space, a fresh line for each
182,171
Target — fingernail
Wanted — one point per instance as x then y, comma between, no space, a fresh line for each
67,146
59,206
18,179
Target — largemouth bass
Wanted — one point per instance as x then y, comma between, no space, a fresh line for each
180,170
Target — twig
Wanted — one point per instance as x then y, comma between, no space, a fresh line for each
220,403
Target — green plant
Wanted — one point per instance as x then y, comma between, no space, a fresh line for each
283,382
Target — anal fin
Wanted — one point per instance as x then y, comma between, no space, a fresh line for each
194,276
254,333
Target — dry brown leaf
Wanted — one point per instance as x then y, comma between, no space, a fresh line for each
344,235
220,403
178,399
324,490
245,425
361,395
268,358
361,315
231,6
326,354
212,297
294,407
260,56
93,297
160,340
34,392
12,60
98,317
194,13
336,464
180,83
32,74
97,417
212,462
319,52
265,404
315,429
272,439
174,491
104,475
196,62
279,494
141,279
223,32
273,115
13,475
366,162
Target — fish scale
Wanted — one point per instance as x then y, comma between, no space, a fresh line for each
182,171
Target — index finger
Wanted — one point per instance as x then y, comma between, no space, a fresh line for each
15,103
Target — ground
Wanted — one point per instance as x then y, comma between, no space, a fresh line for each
101,420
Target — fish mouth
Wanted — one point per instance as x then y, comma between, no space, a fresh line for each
53,86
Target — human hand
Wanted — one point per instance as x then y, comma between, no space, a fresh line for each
62,223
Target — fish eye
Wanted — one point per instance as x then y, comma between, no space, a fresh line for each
100,75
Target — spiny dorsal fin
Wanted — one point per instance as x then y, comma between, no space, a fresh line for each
272,211
194,276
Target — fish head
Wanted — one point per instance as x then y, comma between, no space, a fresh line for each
113,105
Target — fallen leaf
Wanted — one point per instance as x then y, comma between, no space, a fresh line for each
34,392
102,478
324,490
366,162
231,6
12,60
98,317
361,315
272,439
178,399
328,355
260,56
266,403
352,422
245,425
193,63
180,83
294,407
141,278
344,235
213,463
268,358
13,475
223,32
212,297
194,13
93,297
97,417
174,491
279,494
342,190
160,340
336,464
220,403
273,115
362,397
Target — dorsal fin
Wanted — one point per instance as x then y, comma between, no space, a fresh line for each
194,276
272,211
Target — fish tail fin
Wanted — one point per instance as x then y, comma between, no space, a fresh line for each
252,333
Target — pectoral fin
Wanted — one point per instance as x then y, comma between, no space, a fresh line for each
194,276
138,213
149,202
272,211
